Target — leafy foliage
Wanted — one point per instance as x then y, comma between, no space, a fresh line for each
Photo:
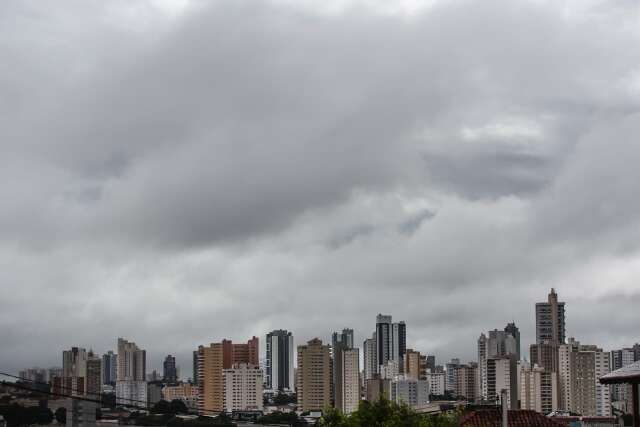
384,413
61,415
17,415
290,418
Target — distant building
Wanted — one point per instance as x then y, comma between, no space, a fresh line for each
467,381
413,392
109,368
80,413
497,344
370,358
314,376
431,363
243,388
185,392
212,361
195,367
581,366
94,375
502,374
391,340
550,321
538,389
131,387
513,330
279,362
436,383
347,378
74,372
415,365
154,393
169,371
35,374
54,372
451,375
376,388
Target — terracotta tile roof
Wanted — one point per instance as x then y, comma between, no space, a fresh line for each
493,418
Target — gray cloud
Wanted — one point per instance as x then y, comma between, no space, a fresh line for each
162,168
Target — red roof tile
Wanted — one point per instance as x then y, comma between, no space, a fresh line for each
493,418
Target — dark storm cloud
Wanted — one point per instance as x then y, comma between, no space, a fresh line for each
162,166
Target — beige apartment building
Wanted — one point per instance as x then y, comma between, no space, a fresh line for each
467,381
347,387
185,392
314,376
414,365
538,389
580,367
243,388
212,360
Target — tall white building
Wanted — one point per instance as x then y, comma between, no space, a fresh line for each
411,391
131,387
538,389
497,344
436,382
502,374
242,388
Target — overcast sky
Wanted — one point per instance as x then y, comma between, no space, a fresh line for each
178,172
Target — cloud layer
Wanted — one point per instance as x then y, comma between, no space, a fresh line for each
182,172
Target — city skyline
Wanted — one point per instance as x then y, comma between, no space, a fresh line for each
184,171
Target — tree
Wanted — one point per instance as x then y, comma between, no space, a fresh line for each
61,415
177,406
384,413
162,407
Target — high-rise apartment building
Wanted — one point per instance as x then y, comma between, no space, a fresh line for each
344,338
131,385
513,330
431,363
436,383
370,357
35,374
410,391
391,340
466,384
347,378
109,368
550,320
497,344
279,361
74,372
242,388
415,365
169,370
314,376
188,393
538,389
451,375
212,361
502,374
94,375
580,367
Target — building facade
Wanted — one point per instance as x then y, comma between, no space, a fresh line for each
410,391
347,378
109,368
131,385
169,370
279,362
243,388
314,376
538,389
212,360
